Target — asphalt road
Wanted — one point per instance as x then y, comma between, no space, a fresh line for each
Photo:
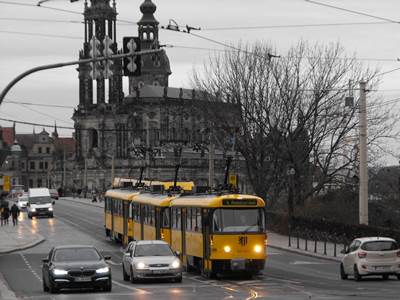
286,275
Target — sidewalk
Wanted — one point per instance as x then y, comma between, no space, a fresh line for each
16,238
85,201
318,250
20,237
275,240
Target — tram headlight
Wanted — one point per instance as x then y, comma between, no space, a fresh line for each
227,249
258,248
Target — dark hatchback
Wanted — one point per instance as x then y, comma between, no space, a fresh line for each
75,267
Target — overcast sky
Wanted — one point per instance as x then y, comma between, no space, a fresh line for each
31,36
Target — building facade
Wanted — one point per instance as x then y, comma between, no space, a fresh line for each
155,127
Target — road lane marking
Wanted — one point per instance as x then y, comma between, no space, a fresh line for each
30,267
300,262
130,287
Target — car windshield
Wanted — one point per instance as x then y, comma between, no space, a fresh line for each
380,246
238,220
40,200
76,254
153,250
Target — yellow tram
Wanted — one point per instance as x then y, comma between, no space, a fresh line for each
135,214
213,232
219,233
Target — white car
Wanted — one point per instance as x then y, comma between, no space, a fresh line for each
150,259
22,201
371,256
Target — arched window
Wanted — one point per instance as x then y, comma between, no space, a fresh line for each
93,138
151,36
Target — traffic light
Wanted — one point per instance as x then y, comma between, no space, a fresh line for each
94,52
132,64
108,52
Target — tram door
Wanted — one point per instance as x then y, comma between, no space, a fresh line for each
207,223
183,230
157,223
125,222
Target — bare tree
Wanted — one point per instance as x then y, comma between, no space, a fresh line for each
296,133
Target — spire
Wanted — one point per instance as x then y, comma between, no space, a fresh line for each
55,133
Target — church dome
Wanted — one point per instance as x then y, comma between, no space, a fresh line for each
148,7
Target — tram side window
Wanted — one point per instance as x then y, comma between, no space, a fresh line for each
176,218
189,219
108,204
144,216
198,220
165,218
117,207
149,214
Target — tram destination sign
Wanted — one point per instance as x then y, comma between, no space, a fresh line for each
239,202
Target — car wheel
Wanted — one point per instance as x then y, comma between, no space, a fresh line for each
108,286
357,276
385,277
132,277
53,289
124,274
45,287
343,275
178,279
29,216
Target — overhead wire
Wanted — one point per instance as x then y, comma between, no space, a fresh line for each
353,11
38,104
292,26
44,114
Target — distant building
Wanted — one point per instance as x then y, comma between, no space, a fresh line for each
154,126
39,159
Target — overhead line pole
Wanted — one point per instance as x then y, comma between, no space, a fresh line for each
363,188
71,63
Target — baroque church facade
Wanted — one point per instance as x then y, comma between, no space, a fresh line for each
155,127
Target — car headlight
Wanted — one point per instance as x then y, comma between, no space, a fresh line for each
140,265
59,272
227,249
33,209
50,209
176,264
258,248
103,270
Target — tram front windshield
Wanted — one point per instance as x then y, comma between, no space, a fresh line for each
238,220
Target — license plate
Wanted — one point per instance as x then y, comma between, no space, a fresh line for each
83,279
380,268
158,271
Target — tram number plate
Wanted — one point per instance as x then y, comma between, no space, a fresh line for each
83,279
238,264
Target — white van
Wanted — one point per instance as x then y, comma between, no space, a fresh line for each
39,202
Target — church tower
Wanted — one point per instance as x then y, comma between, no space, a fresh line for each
100,21
155,68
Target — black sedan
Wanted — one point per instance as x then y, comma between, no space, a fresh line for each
75,267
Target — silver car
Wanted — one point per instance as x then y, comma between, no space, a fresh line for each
22,201
371,256
150,260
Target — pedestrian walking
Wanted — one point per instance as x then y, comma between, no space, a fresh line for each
1,215
14,214
6,213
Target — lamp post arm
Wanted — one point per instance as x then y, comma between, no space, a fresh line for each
65,64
